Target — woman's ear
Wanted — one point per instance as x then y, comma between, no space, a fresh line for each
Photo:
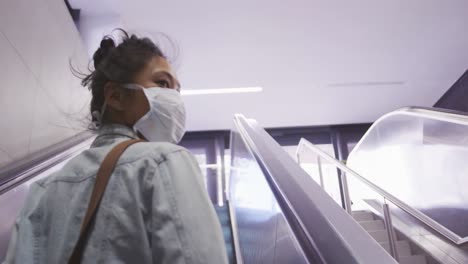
113,96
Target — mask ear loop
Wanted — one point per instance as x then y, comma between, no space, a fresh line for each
132,86
98,116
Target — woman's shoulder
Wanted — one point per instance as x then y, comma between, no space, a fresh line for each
87,163
155,150
162,148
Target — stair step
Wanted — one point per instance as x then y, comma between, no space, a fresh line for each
361,216
415,259
373,225
379,235
223,215
403,248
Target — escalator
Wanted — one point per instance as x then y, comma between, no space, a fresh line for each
404,183
225,220
275,213
281,215
278,212
273,204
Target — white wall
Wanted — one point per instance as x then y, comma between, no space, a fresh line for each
41,102
93,28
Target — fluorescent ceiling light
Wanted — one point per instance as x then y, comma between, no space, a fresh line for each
222,91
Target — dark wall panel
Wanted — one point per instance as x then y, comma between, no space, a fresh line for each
456,98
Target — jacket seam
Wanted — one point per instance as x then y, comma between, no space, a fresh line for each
176,217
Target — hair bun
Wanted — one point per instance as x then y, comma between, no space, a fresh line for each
106,46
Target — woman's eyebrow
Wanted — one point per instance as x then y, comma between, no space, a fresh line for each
168,74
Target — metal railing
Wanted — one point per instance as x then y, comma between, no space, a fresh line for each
419,127
346,195
321,155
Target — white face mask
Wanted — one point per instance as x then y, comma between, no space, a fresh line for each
165,121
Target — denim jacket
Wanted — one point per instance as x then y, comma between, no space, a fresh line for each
155,209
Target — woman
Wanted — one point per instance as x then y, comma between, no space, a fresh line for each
154,208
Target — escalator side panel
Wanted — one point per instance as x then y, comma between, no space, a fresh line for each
264,234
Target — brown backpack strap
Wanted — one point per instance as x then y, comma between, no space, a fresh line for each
102,177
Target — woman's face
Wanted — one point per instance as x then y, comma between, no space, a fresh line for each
133,104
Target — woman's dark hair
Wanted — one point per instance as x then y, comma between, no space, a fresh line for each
117,63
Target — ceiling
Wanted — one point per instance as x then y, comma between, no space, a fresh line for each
319,62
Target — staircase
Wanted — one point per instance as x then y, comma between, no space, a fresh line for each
376,228
223,215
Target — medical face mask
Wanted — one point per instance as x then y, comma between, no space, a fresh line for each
165,120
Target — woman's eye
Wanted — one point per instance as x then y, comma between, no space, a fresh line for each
163,84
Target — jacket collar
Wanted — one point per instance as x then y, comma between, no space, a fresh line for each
111,133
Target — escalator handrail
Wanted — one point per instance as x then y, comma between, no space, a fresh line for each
452,116
330,230
442,112
13,176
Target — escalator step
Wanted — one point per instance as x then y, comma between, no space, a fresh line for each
223,215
